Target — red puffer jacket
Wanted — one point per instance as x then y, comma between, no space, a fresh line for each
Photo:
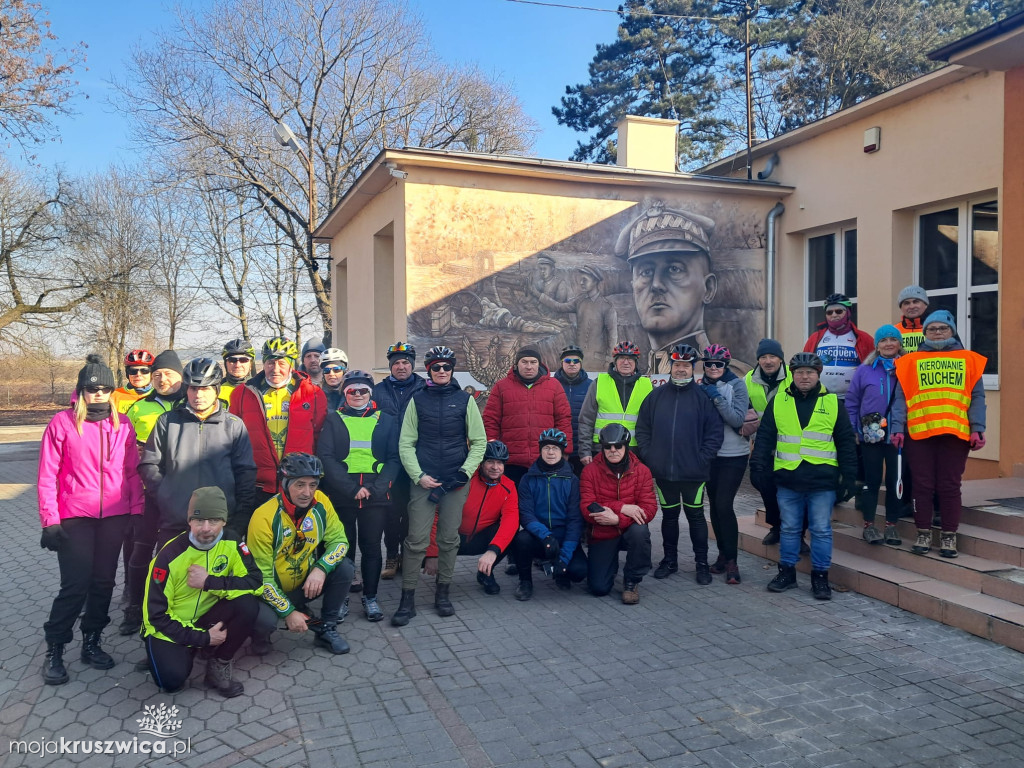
599,484
307,410
516,414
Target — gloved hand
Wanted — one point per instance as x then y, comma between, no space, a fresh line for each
762,481
561,570
437,493
551,548
461,478
711,390
53,536
896,439
847,490
977,441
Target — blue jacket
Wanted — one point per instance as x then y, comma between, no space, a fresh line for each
549,505
575,393
870,391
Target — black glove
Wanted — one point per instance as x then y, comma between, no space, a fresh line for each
53,537
561,570
847,490
461,478
551,548
762,481
437,493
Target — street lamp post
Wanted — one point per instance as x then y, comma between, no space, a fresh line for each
287,138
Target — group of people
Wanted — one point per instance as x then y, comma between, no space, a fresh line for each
238,494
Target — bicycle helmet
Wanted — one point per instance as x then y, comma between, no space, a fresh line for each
280,347
614,434
571,351
355,376
402,349
238,347
202,372
553,437
684,353
313,346
295,465
836,298
717,352
627,349
139,357
439,353
496,451
805,360
333,356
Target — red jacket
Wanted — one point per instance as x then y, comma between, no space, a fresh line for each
307,410
599,484
865,344
486,505
516,414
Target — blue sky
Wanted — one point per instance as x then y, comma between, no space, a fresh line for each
538,50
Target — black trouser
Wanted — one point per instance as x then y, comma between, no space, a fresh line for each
478,543
366,526
723,482
128,543
527,547
396,519
689,496
603,559
148,537
772,514
879,456
334,593
88,565
261,497
171,663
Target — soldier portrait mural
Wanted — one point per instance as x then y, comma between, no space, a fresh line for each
658,272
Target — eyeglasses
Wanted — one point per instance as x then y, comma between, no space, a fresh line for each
714,364
938,329
333,369
840,311
138,371
237,359
440,367
357,392
572,360
99,390
615,447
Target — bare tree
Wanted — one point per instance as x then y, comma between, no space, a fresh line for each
352,76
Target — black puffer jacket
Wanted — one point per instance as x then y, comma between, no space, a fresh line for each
678,433
393,396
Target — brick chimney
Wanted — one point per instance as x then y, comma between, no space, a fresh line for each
647,143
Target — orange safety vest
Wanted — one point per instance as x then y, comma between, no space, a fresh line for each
938,391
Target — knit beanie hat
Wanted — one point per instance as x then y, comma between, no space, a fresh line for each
95,374
169,361
527,352
941,316
912,292
888,331
208,503
770,347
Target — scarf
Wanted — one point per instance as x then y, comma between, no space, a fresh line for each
97,412
205,547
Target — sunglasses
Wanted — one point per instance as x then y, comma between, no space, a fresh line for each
139,371
714,364
357,392
835,311
571,360
676,358
333,369
615,447
441,367
99,390
237,359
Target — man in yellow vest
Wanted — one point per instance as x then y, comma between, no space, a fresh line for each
940,405
806,445
913,303
614,399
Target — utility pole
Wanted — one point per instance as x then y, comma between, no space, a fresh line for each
747,10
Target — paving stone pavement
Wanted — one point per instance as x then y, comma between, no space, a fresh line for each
714,676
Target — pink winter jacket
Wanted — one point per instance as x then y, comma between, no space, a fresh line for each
94,474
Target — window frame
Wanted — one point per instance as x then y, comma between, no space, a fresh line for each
838,233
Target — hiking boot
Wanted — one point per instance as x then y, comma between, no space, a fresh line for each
259,645
703,575
92,654
511,569
371,608
871,534
132,621
786,579
718,566
489,583
54,671
630,593
442,602
732,572
772,537
327,636
406,608
524,591
923,544
357,583
219,677
892,535
665,567
819,585
344,609
947,544
392,565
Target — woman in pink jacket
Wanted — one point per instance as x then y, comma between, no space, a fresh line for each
88,487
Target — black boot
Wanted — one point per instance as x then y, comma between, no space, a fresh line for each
132,621
327,635
441,601
786,579
665,567
703,575
406,608
219,676
772,537
819,585
54,672
92,654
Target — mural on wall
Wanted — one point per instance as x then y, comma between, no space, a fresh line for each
658,272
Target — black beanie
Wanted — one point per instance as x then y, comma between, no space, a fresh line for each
169,361
770,347
528,352
95,374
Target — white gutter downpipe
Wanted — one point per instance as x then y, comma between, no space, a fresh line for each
769,278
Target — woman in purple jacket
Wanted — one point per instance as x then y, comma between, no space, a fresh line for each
88,487
869,404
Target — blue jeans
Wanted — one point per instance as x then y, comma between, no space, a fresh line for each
817,505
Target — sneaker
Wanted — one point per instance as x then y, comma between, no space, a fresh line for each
371,608
871,534
732,572
718,566
630,593
489,583
772,537
703,574
524,591
344,610
392,565
947,544
786,579
819,585
665,567
892,535
923,544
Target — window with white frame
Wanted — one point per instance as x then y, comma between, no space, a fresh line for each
831,268
958,265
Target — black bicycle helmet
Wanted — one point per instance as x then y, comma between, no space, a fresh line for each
805,360
238,347
684,353
202,372
553,437
439,354
837,298
496,451
614,434
295,465
401,349
571,351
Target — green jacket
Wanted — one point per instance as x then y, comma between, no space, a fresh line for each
172,607
144,413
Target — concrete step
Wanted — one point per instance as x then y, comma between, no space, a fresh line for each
984,513
981,614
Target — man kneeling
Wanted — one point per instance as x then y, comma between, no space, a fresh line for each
200,594
617,499
287,535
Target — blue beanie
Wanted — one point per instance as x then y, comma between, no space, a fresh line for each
941,316
888,331
770,347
